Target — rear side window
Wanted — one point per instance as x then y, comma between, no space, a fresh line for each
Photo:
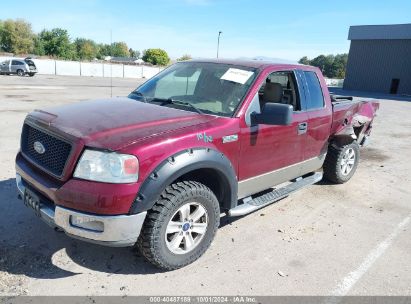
15,62
316,99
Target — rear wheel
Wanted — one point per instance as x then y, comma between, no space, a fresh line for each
20,73
341,162
181,225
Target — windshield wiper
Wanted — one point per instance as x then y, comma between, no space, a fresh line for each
185,103
139,94
177,102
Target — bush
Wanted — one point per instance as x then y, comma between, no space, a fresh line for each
156,57
184,57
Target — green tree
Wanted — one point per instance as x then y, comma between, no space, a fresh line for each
185,57
120,49
304,60
57,43
38,48
85,48
331,66
134,53
16,36
103,50
339,65
1,35
320,62
116,49
156,56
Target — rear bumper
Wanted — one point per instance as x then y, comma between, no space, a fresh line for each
109,230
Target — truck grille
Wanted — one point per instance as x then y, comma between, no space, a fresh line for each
56,151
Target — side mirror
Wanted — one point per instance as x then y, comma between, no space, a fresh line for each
273,114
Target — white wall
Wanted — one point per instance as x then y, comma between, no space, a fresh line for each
113,69
68,68
93,69
45,66
149,72
334,82
3,58
133,71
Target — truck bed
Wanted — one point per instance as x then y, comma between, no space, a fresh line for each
349,112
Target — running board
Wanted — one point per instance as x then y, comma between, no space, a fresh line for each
275,195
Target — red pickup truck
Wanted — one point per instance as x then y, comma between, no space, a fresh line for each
201,138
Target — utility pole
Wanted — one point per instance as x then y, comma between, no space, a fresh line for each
111,63
218,42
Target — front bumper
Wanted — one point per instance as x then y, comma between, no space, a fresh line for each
109,230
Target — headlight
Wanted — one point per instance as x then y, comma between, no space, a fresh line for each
109,167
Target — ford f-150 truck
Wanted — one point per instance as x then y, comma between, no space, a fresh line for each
199,139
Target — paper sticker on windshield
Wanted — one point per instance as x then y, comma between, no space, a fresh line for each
237,75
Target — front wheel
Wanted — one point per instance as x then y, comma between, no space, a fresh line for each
181,225
20,73
341,162
31,74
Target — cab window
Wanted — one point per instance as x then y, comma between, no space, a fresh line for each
316,99
280,87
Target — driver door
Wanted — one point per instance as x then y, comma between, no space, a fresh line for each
271,154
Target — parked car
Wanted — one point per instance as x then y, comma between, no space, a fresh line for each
199,139
20,67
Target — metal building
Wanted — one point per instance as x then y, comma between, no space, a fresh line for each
379,59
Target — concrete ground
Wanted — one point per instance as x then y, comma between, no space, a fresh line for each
324,240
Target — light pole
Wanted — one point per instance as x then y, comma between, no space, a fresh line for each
218,41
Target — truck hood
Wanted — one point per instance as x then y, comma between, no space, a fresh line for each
115,123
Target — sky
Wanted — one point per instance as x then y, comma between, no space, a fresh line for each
270,28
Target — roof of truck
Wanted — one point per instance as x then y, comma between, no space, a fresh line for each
249,63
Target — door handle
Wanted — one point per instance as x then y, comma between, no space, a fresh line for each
302,128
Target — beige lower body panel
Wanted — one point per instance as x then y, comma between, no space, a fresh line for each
270,179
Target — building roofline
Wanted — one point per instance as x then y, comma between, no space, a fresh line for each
380,32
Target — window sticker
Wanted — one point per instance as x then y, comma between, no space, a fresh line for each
237,75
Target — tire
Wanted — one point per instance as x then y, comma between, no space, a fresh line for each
21,73
341,162
156,239
31,74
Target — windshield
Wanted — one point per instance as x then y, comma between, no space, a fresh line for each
210,88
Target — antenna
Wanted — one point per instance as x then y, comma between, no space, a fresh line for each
111,63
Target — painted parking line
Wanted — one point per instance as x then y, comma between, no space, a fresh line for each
353,277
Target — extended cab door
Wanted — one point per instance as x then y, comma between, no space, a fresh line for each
318,106
270,154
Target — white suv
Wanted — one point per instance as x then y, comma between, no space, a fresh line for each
20,67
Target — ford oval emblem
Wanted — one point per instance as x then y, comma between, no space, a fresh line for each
38,147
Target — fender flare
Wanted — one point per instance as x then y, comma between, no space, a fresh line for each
179,164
